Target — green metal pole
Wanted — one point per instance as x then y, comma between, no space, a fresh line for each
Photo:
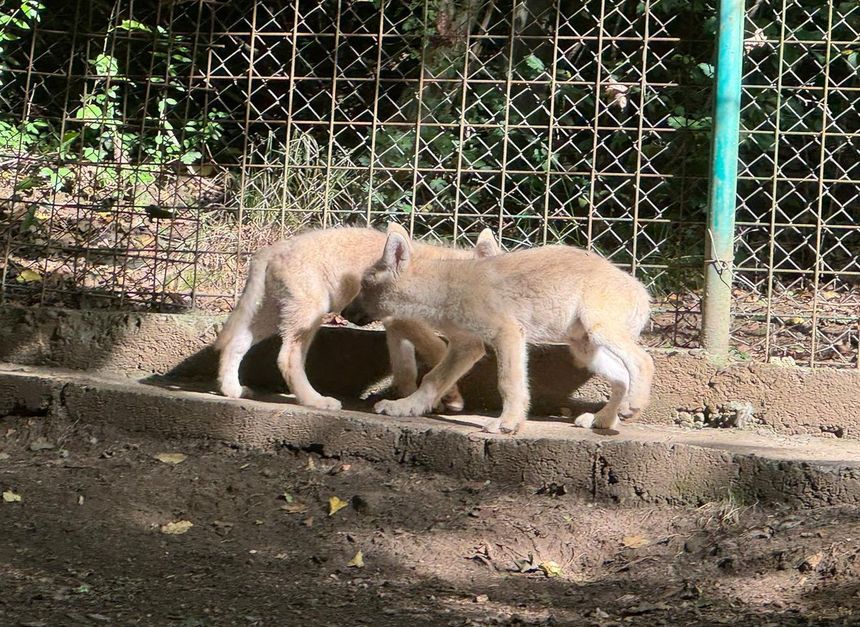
719,246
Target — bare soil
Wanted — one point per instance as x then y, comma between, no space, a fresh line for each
86,545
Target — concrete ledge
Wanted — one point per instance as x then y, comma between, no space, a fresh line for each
348,361
644,463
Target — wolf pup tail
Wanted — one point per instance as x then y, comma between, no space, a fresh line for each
250,300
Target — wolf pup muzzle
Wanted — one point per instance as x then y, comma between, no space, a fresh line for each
356,314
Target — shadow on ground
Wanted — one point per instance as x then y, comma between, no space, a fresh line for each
83,545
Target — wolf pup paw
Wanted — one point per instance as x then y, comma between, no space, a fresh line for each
493,426
232,389
584,420
324,402
453,400
397,408
511,425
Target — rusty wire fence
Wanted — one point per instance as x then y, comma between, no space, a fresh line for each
147,147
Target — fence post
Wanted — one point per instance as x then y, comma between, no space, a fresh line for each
719,245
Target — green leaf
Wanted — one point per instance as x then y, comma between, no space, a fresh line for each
130,25
707,69
89,112
92,154
190,157
26,183
437,184
32,12
105,65
535,63
26,276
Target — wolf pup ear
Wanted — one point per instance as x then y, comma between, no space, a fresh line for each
397,253
393,227
487,246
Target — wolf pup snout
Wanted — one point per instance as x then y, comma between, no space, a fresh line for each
355,313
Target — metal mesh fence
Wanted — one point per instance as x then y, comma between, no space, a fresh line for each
799,192
147,147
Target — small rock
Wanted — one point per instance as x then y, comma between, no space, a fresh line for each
627,599
267,472
760,533
600,614
41,444
696,543
790,523
4,456
482,598
566,412
99,618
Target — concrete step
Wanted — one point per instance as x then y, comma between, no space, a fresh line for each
688,389
642,463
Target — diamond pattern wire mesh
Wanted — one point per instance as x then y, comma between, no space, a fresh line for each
799,193
181,136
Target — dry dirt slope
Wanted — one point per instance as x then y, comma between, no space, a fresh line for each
86,545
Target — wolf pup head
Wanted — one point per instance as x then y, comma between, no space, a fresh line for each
378,279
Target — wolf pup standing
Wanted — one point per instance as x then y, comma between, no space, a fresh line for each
294,283
548,294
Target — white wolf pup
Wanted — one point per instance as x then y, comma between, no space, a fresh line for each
294,283
547,294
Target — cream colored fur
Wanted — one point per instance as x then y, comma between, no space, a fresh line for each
294,283
548,294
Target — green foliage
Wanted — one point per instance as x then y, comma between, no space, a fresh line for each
97,131
15,20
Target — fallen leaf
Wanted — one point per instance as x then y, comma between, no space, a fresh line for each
80,499
357,561
176,528
171,458
339,468
28,276
4,456
635,542
82,589
287,497
282,556
482,598
11,497
308,522
810,562
295,508
335,505
311,465
527,565
550,569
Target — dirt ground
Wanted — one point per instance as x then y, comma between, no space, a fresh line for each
88,544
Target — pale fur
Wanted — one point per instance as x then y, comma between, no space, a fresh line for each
294,283
547,294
